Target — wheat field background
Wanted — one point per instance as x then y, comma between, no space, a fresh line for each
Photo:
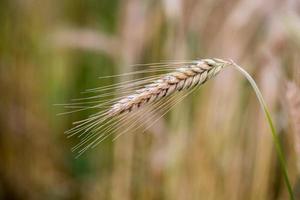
215,144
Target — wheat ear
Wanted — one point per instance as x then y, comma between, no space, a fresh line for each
128,100
181,79
150,91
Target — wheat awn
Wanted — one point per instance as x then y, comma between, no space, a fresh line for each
120,105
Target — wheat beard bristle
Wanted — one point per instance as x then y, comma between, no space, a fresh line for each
99,126
181,79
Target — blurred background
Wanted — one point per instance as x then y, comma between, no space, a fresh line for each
214,145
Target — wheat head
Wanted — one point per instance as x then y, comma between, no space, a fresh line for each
120,114
182,78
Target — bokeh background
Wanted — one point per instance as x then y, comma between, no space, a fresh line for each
214,145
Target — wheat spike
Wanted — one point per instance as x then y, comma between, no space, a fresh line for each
120,113
181,79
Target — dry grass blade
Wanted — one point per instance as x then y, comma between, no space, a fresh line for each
293,101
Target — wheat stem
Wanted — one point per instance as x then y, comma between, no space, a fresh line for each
150,91
271,125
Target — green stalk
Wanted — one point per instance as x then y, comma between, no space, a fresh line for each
271,125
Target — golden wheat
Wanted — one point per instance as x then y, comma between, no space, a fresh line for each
120,106
181,79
